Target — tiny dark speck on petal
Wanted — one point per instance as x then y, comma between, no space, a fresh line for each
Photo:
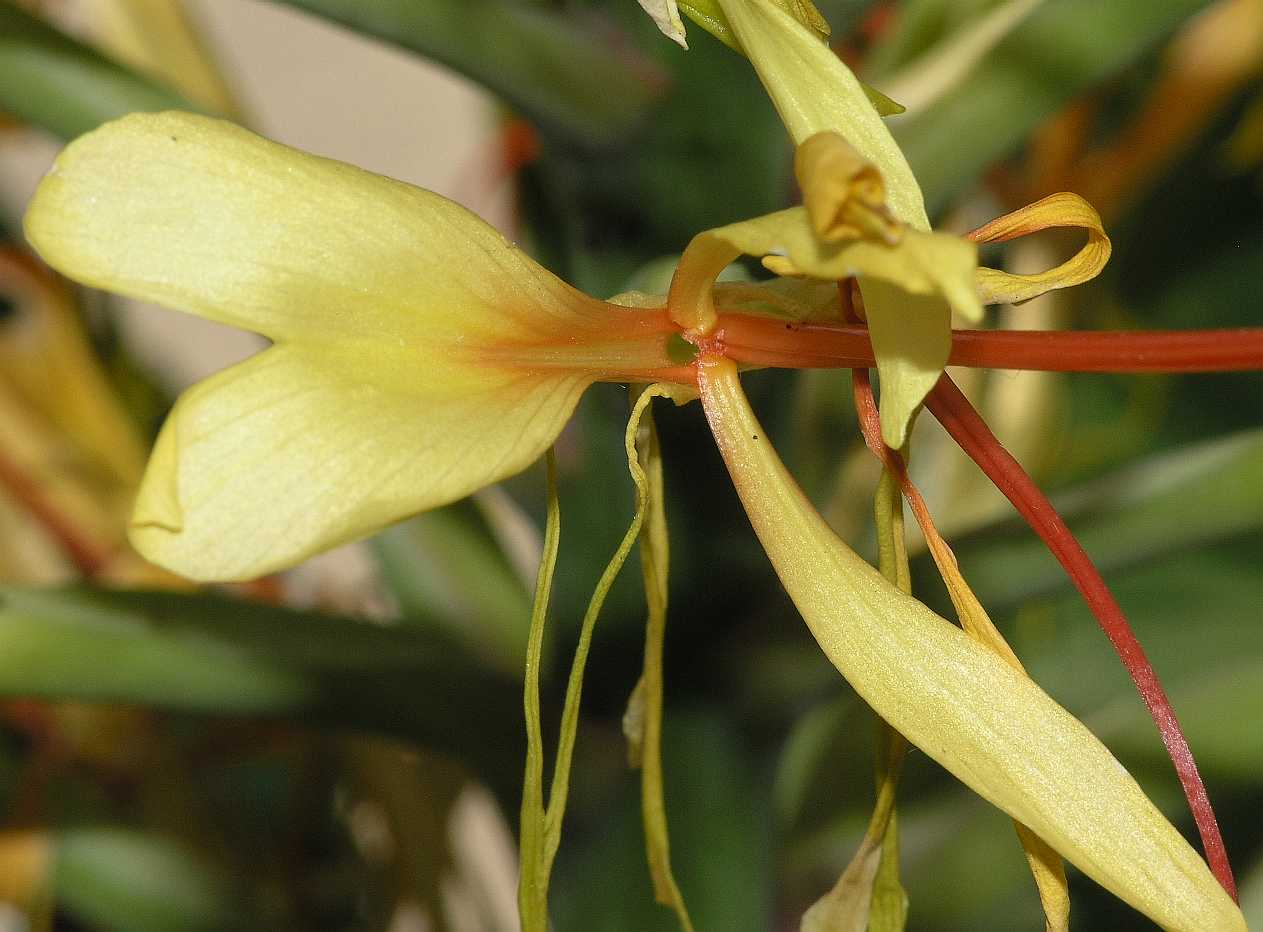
175,139
754,436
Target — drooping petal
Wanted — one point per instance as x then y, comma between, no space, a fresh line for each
957,700
203,216
1056,210
920,263
909,288
298,450
815,92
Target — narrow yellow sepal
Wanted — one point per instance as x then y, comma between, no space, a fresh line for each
958,701
419,355
709,14
1056,210
815,92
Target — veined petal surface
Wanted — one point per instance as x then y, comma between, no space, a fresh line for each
957,700
419,355
298,450
201,215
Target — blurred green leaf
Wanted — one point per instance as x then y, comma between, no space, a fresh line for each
545,63
1196,616
1061,50
446,571
1170,502
64,86
720,831
211,655
118,879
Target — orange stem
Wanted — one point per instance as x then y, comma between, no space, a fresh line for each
953,410
762,341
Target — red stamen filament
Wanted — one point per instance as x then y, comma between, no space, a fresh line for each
763,341
953,410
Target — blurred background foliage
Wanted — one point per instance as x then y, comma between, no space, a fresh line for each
308,752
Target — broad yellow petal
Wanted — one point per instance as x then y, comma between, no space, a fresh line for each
297,450
957,700
201,215
815,92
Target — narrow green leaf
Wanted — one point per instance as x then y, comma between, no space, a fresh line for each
541,61
719,835
655,563
1059,51
119,879
211,655
545,839
445,570
64,86
533,875
1169,502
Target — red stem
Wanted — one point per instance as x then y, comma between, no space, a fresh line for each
967,428
763,341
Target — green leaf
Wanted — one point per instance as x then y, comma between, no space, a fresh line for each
720,841
211,655
1061,50
446,572
52,81
542,62
112,878
1204,492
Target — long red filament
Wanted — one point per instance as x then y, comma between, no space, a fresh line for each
763,341
953,410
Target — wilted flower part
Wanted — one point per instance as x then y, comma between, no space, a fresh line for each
956,699
417,355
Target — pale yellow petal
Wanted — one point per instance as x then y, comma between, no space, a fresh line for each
298,450
1056,210
815,92
957,700
912,338
910,290
921,263
203,216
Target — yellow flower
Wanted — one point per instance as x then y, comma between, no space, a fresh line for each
417,356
